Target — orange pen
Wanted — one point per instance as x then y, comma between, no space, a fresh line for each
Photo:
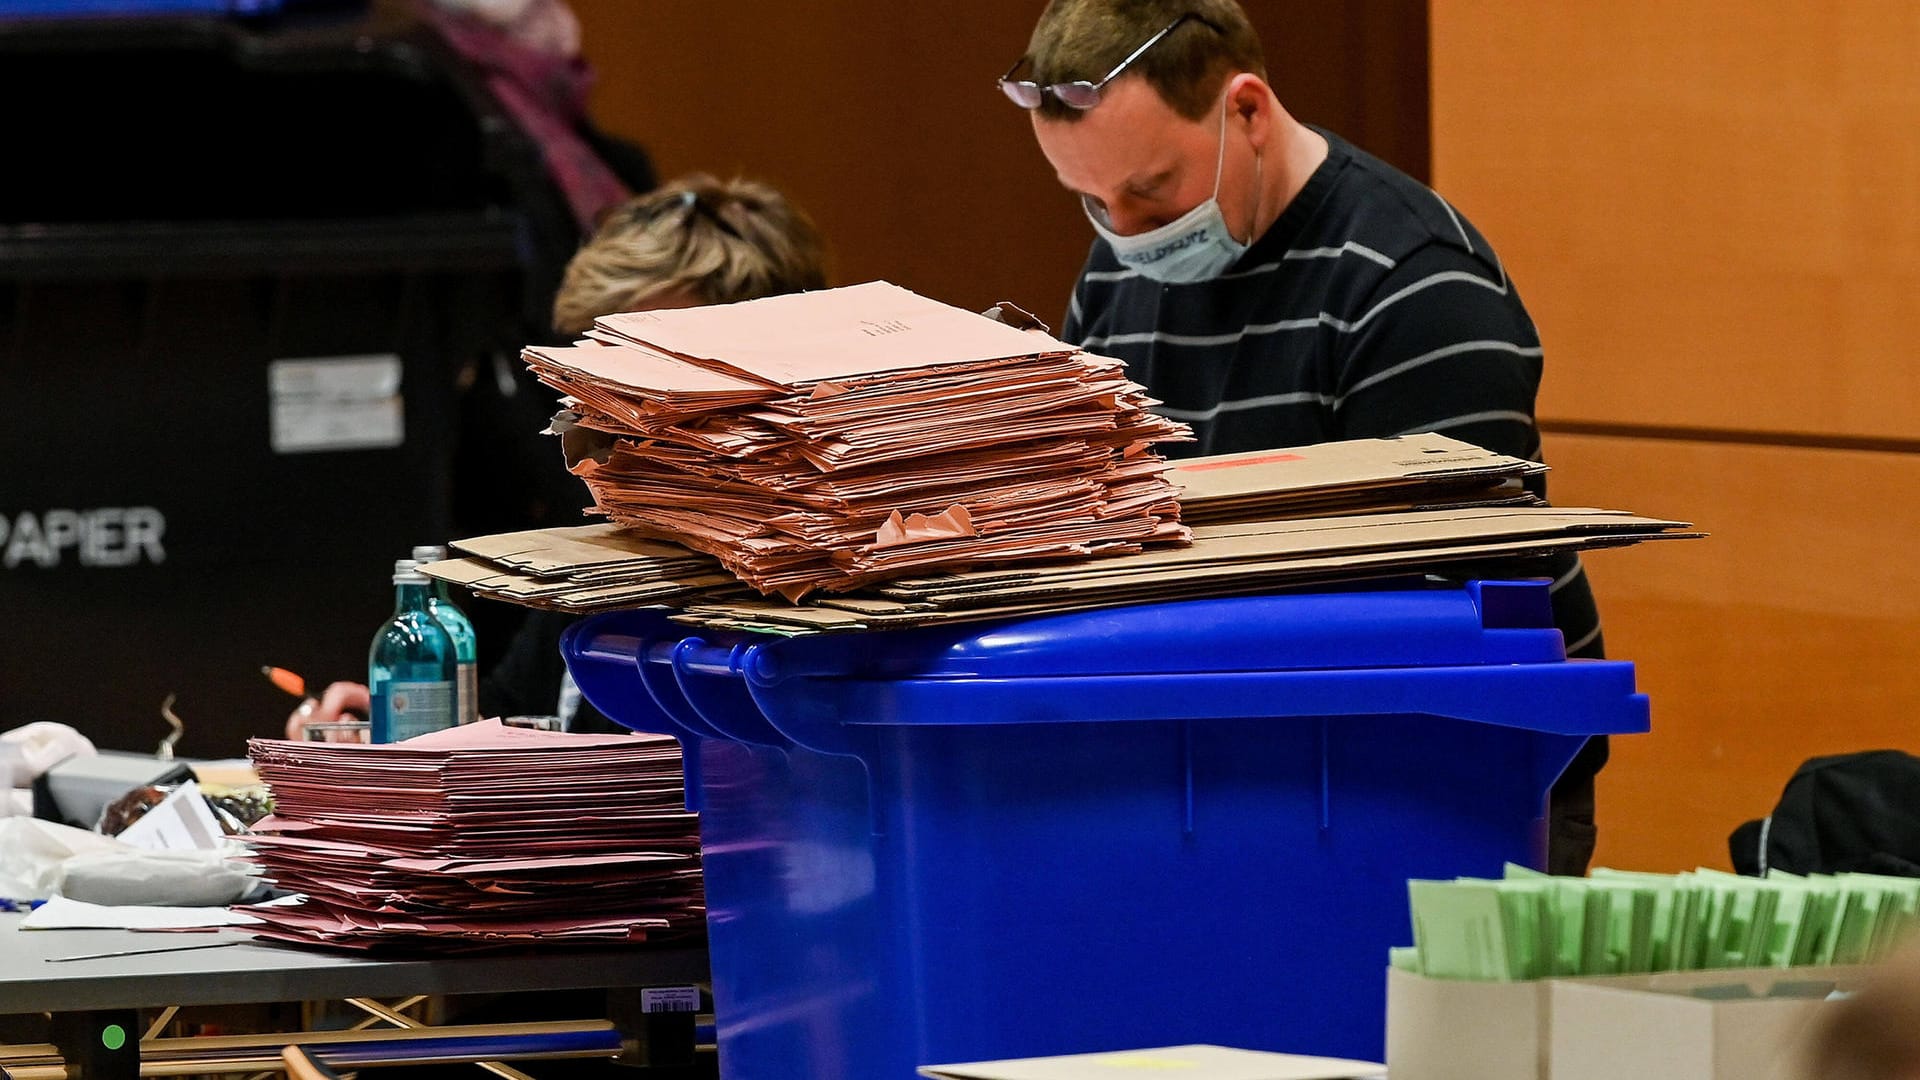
285,680
292,684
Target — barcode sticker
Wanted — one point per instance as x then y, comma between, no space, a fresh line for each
657,999
326,403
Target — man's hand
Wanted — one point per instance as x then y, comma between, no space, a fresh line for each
332,706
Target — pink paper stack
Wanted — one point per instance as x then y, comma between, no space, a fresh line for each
826,440
479,837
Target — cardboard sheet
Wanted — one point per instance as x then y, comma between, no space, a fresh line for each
979,544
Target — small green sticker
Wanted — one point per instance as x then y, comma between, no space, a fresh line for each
113,1036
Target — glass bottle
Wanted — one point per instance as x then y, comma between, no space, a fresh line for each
466,686
411,667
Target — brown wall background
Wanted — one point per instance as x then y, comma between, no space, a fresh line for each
1714,215
1713,212
882,120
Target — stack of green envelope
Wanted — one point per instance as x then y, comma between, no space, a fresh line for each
1531,926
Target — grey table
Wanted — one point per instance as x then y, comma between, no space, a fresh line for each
86,996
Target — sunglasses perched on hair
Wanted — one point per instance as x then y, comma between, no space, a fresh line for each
1081,94
684,202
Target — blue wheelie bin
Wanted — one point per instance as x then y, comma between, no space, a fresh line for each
1145,826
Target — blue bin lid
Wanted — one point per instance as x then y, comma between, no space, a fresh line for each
1480,622
50,9
1482,652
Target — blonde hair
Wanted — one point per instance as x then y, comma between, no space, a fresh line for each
714,241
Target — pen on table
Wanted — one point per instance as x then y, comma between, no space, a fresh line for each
143,952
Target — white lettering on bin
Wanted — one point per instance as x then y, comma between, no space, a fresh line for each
103,536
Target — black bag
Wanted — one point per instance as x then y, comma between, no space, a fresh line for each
1845,813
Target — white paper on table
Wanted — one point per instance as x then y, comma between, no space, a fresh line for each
61,913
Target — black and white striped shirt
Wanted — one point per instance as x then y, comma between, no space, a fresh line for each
1371,308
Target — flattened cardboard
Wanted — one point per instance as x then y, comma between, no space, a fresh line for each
650,584
1348,464
548,552
845,613
1352,534
1320,515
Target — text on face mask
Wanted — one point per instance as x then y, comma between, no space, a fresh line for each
1169,248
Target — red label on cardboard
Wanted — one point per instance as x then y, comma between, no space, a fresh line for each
1264,459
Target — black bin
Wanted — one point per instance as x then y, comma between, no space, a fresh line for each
234,300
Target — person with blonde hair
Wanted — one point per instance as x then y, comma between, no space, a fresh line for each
694,240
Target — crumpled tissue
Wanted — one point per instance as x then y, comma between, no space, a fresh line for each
34,854
162,878
32,749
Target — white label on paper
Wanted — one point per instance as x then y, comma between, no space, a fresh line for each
336,403
655,999
183,822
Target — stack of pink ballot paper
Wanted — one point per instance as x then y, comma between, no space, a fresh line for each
478,837
824,440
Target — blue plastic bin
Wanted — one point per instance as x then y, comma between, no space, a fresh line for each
1145,826
50,9
121,8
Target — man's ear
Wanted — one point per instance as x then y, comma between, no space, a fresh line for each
1250,101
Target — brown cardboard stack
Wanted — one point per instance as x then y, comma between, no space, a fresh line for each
583,568
1311,515
823,440
1223,560
1372,476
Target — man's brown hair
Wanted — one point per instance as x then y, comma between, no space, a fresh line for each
1084,39
716,241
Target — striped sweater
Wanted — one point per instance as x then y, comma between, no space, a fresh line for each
1370,308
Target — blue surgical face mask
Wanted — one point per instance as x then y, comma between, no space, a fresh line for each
1194,247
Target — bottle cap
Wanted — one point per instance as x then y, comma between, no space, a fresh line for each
407,572
429,552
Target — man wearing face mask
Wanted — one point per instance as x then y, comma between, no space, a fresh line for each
1273,284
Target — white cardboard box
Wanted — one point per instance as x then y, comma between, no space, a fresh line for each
1651,1027
1637,1027
1444,1029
